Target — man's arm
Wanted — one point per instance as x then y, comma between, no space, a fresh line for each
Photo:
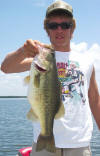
94,98
20,60
15,62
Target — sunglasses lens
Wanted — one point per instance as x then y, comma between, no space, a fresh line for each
65,25
52,26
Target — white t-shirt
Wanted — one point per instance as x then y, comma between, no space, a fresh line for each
75,128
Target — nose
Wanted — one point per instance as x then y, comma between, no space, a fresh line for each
59,28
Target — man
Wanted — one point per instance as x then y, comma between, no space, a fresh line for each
77,75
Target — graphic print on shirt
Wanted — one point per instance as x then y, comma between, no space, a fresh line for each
72,80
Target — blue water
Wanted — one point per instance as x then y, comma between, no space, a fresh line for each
16,130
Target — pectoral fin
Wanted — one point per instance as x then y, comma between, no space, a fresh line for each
60,112
31,115
27,79
37,80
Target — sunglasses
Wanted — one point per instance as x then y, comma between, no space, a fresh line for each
63,25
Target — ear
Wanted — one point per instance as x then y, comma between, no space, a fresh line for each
71,33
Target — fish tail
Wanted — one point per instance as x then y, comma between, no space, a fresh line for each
46,142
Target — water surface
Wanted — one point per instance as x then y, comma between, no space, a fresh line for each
16,130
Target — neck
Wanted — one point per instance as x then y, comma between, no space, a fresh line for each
62,48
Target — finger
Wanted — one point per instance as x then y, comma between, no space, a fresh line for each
42,44
38,43
30,46
31,54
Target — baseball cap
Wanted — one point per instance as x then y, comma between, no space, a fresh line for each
60,5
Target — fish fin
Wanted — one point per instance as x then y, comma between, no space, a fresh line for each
31,115
46,142
27,79
60,112
37,80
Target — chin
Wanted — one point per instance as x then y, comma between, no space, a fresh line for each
60,44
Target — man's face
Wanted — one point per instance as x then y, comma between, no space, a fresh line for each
60,38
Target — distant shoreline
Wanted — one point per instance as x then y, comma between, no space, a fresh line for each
13,96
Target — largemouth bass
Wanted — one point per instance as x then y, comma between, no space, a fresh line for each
44,95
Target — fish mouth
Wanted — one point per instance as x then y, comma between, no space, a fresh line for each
41,69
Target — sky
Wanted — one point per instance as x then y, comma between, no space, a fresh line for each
23,19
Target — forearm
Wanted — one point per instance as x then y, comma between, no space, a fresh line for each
94,99
21,59
16,62
95,108
13,62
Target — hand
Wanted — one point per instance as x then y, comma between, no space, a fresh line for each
30,48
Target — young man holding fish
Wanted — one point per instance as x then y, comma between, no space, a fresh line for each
77,75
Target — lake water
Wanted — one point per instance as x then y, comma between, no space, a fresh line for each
16,130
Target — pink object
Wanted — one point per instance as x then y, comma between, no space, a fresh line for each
25,151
